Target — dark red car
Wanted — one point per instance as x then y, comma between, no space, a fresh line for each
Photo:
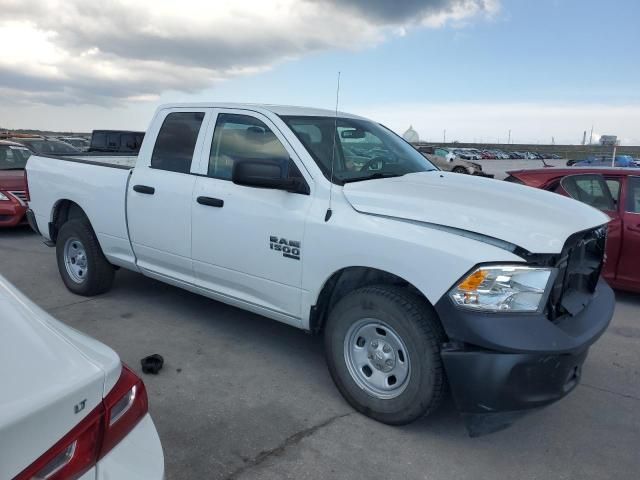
615,191
13,185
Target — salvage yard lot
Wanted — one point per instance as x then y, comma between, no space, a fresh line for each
244,397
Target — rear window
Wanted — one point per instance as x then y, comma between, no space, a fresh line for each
176,142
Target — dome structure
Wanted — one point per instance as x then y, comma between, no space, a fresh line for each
411,135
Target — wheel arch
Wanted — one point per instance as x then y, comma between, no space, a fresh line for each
64,210
348,279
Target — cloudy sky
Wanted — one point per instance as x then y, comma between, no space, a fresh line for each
477,68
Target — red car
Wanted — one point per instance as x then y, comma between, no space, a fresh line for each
13,185
615,191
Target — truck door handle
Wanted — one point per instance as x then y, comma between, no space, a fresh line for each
211,202
633,228
144,189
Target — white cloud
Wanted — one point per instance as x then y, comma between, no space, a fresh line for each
74,51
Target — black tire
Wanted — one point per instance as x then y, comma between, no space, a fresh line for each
98,275
460,170
416,323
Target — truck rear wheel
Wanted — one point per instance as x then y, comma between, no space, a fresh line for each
81,263
383,350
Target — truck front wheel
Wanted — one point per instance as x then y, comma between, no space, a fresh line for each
383,350
81,263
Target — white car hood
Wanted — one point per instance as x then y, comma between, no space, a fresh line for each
51,376
533,219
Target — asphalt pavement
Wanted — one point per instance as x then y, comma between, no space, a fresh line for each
244,397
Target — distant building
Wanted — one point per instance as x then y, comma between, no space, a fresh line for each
608,140
411,135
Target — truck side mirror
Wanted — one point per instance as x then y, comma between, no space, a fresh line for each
271,174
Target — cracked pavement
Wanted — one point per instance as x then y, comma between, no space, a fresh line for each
243,397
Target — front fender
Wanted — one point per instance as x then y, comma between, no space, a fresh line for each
431,260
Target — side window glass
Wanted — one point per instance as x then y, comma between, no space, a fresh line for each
589,189
614,188
633,195
176,141
127,142
113,141
242,137
98,140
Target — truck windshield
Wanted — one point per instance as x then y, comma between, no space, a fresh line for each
364,150
13,158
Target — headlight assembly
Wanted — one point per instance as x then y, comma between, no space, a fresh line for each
504,288
3,197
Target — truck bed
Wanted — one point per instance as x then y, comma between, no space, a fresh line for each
96,182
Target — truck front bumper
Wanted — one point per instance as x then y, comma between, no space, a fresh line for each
499,366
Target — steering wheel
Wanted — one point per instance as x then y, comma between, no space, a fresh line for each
373,161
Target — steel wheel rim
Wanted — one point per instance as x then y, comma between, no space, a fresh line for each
377,358
75,260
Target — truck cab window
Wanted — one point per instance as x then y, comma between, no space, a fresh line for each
242,137
113,141
176,142
99,140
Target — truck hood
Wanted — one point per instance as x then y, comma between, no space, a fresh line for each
51,377
533,219
12,180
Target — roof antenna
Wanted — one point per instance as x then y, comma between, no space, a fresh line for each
333,152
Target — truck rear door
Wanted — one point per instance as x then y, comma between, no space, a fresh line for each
160,193
247,241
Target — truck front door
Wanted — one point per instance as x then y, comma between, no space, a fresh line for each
247,241
160,191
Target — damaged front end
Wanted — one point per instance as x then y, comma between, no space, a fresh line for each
501,365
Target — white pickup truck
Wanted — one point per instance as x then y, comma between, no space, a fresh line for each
418,279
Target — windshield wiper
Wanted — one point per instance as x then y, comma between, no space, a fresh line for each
373,176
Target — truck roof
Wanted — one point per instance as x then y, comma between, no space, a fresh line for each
281,110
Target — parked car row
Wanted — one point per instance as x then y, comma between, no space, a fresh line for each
111,141
47,146
625,161
80,143
449,162
477,154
